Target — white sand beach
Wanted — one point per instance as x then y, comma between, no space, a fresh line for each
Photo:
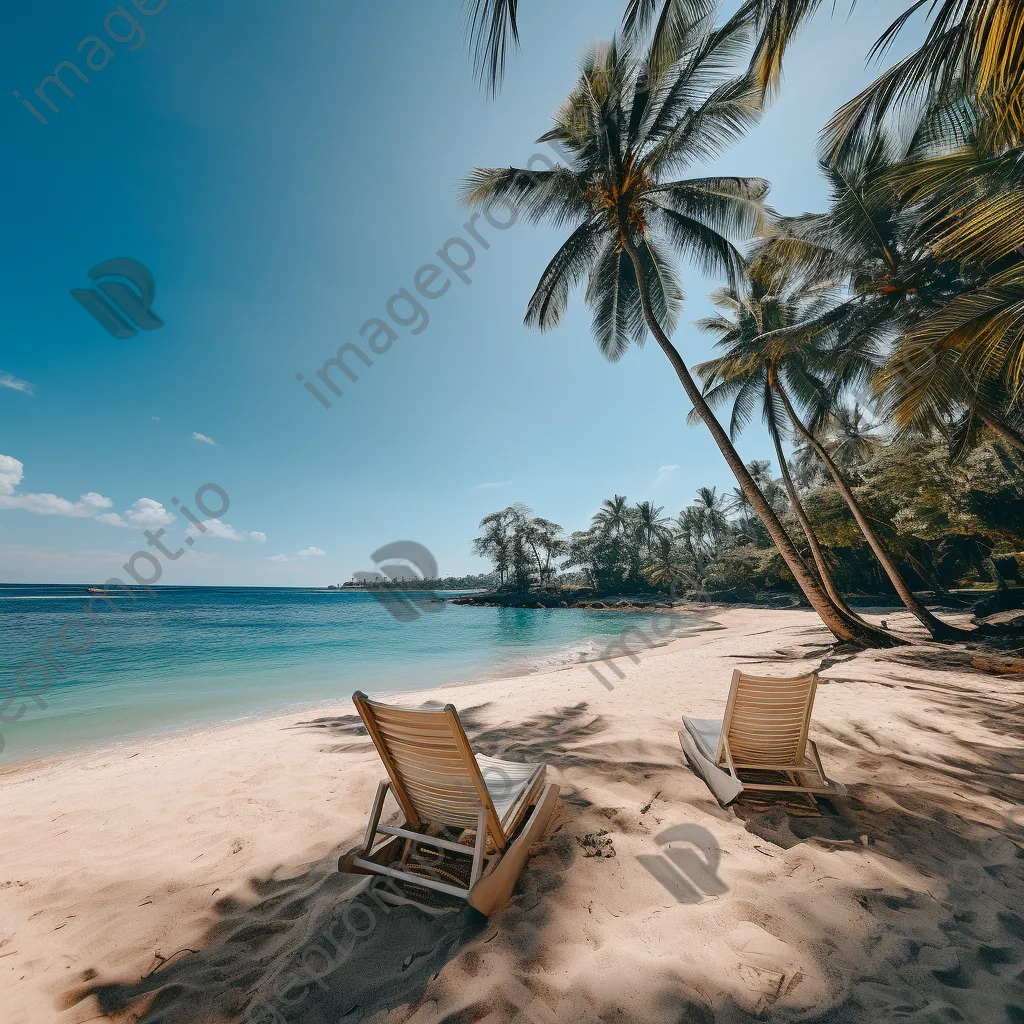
194,878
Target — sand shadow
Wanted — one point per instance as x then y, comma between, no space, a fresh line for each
553,738
314,949
318,947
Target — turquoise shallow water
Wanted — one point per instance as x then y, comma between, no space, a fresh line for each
192,655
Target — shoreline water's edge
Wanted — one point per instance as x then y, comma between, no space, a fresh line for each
614,648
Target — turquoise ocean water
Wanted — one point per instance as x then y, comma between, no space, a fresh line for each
193,655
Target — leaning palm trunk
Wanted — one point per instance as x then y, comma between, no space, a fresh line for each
625,139
1003,430
842,626
812,539
936,627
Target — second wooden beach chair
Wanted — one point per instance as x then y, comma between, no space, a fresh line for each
448,794
761,743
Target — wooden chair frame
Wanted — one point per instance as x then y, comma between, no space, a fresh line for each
429,760
762,710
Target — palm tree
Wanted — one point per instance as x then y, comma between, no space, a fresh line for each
509,538
547,541
668,566
852,436
691,532
492,25
767,364
710,506
627,141
775,493
973,46
936,627
955,280
747,376
650,526
614,517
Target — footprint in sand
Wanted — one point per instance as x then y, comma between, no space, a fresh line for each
768,969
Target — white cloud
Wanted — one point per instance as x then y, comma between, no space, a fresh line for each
225,531
664,472
145,512
11,474
196,436
52,505
497,484
309,552
8,380
113,519
155,419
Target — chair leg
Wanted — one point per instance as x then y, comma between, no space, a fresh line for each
817,761
405,853
375,813
480,849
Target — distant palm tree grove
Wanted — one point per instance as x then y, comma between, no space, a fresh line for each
880,341
947,530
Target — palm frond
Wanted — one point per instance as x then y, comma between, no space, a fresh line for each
727,114
779,22
556,195
673,32
567,268
614,299
491,25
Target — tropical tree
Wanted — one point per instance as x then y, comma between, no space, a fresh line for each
650,530
614,517
546,540
956,177
495,544
520,546
704,528
748,375
669,566
492,26
747,527
967,356
628,139
973,47
768,365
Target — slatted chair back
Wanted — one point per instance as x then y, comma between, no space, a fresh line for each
434,774
766,719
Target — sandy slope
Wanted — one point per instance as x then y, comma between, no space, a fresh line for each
218,851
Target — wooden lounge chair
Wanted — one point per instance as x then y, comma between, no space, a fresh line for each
442,786
761,743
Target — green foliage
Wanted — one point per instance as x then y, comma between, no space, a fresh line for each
521,546
941,520
884,336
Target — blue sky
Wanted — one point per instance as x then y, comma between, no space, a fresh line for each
283,170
